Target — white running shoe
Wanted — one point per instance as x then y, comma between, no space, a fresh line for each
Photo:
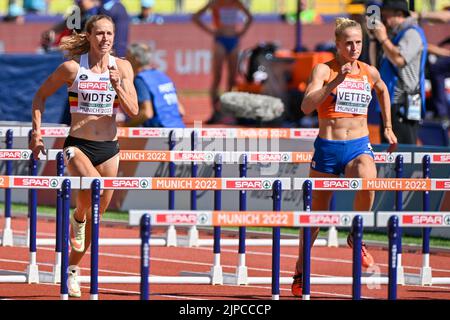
77,234
72,282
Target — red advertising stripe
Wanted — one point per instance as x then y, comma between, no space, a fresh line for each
418,219
443,184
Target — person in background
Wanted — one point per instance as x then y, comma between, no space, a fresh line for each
98,84
402,68
15,13
341,90
157,97
35,6
439,67
226,16
147,15
51,39
116,10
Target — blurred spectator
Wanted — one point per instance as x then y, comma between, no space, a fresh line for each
402,68
227,15
439,65
50,39
147,15
116,10
15,12
35,6
157,97
308,14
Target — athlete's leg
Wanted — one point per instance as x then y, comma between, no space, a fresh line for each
219,55
320,202
362,166
107,169
232,62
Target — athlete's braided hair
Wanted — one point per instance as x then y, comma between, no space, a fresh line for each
77,43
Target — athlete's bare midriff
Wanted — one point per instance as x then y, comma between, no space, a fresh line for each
343,128
227,31
93,127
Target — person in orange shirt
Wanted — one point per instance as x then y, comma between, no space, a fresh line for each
340,91
226,15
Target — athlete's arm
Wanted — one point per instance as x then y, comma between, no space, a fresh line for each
64,74
145,112
197,17
248,21
316,92
124,87
385,106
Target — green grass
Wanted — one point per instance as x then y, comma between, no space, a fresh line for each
122,216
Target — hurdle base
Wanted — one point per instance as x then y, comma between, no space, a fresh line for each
171,236
426,277
32,273
216,275
193,237
241,275
400,276
7,238
332,237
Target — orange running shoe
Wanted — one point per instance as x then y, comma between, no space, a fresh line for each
296,287
366,258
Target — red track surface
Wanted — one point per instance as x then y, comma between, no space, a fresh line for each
116,261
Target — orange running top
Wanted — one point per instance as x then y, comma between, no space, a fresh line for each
225,14
350,98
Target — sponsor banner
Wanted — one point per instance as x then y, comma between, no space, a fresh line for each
28,182
397,184
333,218
217,133
15,154
385,157
4,182
253,218
304,133
119,183
144,155
151,132
197,156
269,157
416,219
302,157
262,133
55,132
329,184
186,184
182,218
254,183
16,131
441,184
435,157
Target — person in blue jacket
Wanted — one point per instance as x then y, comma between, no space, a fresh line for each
157,96
116,10
402,68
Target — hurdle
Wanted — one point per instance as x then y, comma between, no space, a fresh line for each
419,219
31,182
213,218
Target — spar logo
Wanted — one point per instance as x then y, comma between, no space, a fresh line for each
54,183
26,155
275,157
389,158
33,182
320,219
54,131
346,220
447,220
92,85
445,184
202,219
423,219
177,218
337,184
122,183
441,158
248,184
144,184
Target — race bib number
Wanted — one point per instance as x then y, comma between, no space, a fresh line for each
353,96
